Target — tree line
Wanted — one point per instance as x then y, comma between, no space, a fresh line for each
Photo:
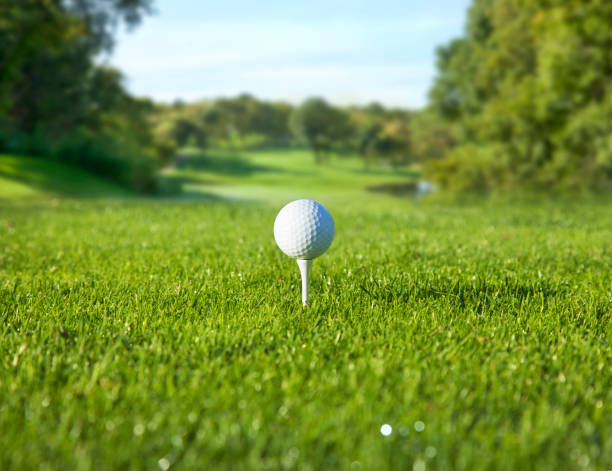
373,132
57,101
528,93
522,100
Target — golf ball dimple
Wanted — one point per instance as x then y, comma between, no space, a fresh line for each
304,229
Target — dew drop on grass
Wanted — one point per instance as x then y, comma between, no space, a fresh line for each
386,430
419,465
164,464
419,426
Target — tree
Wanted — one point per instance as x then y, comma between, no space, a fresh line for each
528,89
431,137
321,126
367,132
393,142
34,33
382,134
55,101
186,132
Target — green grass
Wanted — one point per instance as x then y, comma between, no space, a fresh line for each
23,177
138,333
278,175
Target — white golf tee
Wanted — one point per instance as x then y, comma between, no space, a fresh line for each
305,272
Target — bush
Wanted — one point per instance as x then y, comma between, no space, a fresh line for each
109,155
468,168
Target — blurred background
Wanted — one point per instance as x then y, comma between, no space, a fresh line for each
263,100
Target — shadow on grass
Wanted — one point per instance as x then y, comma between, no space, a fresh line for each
203,196
224,164
403,172
51,177
462,294
395,189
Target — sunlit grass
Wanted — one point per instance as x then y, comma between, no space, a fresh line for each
276,175
156,333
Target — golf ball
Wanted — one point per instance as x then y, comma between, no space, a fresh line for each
304,229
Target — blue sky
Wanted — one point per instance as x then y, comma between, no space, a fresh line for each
349,52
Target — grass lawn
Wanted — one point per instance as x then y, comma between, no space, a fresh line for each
168,333
275,176
23,177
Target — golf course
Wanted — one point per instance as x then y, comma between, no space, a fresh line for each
305,236
167,332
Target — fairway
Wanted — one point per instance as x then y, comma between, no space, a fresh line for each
278,176
168,332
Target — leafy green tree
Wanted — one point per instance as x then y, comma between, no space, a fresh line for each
322,126
237,119
366,135
188,133
529,89
56,101
237,122
431,137
382,135
392,143
36,33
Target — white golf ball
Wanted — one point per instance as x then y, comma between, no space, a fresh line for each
304,229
